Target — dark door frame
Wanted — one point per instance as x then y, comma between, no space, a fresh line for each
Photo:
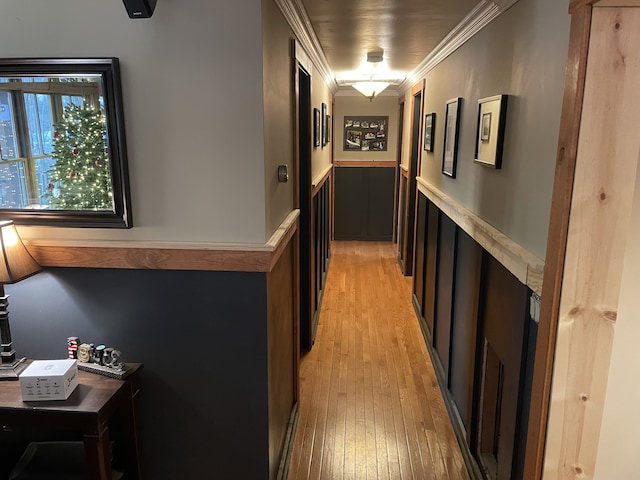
396,196
417,94
302,191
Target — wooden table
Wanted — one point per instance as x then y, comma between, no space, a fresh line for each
97,401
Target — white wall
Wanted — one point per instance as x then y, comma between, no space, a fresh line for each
278,120
523,53
192,87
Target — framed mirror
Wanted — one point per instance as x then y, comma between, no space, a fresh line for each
63,155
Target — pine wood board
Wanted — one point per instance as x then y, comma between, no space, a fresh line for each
598,230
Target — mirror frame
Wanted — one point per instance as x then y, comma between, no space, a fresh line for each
109,70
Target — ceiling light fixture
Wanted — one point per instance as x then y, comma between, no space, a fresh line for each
372,88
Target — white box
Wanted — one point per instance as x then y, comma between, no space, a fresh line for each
49,380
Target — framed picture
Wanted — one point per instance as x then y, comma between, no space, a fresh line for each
324,124
316,127
365,133
327,128
492,114
429,131
451,134
485,129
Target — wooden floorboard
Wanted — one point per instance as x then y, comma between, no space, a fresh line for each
370,405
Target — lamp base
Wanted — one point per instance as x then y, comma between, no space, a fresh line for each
10,371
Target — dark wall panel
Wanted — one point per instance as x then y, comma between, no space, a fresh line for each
444,291
380,203
350,202
364,203
464,331
202,337
433,223
419,267
504,318
401,219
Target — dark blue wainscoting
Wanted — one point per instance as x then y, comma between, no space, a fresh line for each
202,337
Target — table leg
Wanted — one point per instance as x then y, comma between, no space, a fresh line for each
130,436
98,455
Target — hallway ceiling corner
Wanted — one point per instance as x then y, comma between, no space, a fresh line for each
416,35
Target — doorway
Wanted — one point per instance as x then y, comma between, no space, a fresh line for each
303,202
397,226
409,185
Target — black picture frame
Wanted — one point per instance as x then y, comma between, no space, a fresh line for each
105,72
324,124
429,131
327,128
317,129
365,133
492,120
453,109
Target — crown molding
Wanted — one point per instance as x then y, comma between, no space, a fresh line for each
298,19
482,14
478,18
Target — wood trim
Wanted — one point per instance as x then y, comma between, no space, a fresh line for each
520,262
168,256
617,3
575,5
319,181
365,163
557,241
404,171
413,169
602,200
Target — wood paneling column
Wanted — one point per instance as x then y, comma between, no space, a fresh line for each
598,228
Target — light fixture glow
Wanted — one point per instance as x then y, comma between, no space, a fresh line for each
370,89
373,87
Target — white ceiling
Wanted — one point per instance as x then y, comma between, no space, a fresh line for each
407,30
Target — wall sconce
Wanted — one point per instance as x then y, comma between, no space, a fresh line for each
16,264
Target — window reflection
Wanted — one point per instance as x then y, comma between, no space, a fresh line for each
41,165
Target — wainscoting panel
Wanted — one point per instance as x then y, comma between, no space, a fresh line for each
444,292
364,203
420,257
282,354
320,252
464,335
431,269
503,333
401,218
475,317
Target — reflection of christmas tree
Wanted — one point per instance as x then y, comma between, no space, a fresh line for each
80,178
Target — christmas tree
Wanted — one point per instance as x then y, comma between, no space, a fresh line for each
80,178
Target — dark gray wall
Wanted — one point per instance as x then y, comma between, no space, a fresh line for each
202,339
523,53
364,203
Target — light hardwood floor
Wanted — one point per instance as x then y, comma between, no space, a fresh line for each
370,406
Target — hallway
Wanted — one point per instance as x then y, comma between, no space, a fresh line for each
370,405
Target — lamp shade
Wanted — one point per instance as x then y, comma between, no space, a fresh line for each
370,89
16,262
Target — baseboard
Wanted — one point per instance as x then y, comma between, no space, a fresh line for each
285,458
